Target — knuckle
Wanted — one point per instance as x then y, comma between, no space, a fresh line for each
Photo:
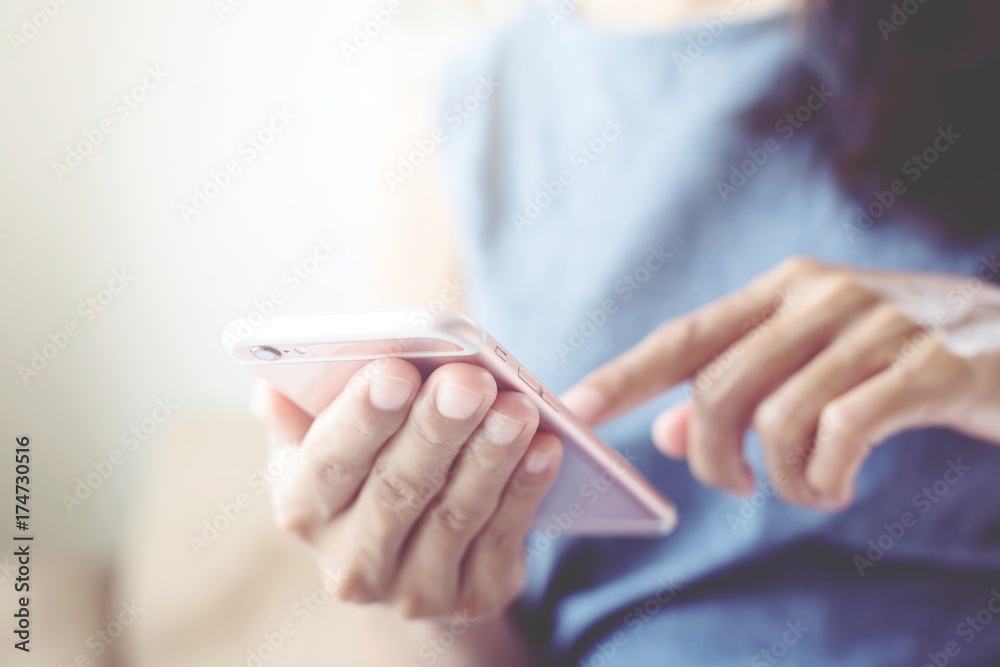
930,382
889,315
833,421
781,427
393,488
705,471
685,332
841,287
912,371
337,472
797,265
773,422
857,360
292,522
714,403
478,456
456,520
356,586
322,439
365,427
836,420
414,606
363,571
502,539
939,364
836,428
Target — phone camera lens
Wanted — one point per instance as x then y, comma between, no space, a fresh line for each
265,353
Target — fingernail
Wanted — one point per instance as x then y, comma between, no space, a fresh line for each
456,402
501,429
389,393
585,402
537,462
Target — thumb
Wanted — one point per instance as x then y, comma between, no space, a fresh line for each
670,430
283,419
663,359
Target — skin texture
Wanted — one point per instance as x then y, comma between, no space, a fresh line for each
419,493
824,363
416,256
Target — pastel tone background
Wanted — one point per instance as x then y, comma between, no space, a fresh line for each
322,176
224,67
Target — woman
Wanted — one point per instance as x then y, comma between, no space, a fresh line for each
730,148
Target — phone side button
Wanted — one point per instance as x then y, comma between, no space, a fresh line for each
551,400
529,379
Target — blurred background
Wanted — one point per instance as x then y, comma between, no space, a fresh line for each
164,169
167,167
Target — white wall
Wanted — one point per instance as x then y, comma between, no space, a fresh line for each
63,237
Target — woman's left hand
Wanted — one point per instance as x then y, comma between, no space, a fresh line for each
824,362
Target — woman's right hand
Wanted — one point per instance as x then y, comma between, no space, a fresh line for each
419,493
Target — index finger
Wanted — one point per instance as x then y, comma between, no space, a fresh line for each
676,350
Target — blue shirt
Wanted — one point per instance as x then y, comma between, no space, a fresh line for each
597,152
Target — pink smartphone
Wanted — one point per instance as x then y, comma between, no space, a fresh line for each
311,358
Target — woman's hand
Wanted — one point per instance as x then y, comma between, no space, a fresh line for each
824,362
419,494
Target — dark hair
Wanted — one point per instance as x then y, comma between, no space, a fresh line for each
900,71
